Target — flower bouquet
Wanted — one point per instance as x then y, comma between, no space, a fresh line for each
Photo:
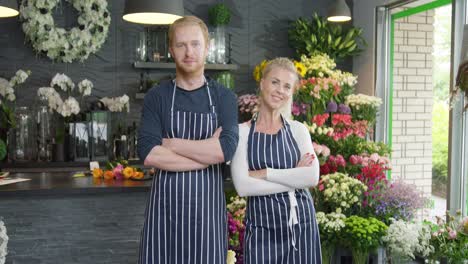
362,235
248,105
330,226
236,227
364,107
7,97
338,192
401,240
118,170
450,238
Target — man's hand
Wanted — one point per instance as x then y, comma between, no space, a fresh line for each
217,133
168,143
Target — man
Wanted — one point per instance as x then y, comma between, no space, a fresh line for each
188,128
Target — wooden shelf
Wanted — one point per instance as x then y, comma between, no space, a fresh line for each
170,65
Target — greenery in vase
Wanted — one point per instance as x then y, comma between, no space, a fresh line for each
450,238
219,15
318,35
362,235
7,97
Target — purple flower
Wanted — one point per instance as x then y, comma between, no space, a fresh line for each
331,107
344,109
296,109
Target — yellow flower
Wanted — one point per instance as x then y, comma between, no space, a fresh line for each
301,69
97,173
128,172
231,257
257,74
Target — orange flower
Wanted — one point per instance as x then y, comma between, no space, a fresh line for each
128,172
108,175
97,173
138,175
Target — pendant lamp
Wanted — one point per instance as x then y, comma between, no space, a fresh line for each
153,12
339,12
8,8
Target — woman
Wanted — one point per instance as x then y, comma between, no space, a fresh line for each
273,165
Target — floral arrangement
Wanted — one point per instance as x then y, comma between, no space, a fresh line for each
248,105
399,201
338,192
118,170
330,226
321,151
364,107
362,235
258,70
7,93
66,45
3,242
236,228
70,106
450,238
401,239
117,104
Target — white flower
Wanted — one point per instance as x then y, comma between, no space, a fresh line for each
117,104
231,257
402,238
3,242
85,87
62,81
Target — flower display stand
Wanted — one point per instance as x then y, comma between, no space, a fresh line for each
344,256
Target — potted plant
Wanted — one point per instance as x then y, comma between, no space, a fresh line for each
318,35
219,16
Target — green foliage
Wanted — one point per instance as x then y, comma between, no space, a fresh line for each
226,79
3,149
362,234
219,15
440,116
318,35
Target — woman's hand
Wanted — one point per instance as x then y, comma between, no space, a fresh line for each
306,160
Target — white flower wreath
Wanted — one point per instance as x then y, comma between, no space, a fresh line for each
60,44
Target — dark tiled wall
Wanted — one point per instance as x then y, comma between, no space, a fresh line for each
100,228
258,27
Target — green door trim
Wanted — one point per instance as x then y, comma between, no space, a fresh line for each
402,14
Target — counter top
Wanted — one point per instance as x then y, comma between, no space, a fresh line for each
64,183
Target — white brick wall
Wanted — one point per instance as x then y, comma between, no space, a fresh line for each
412,98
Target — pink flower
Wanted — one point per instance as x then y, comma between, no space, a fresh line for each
354,160
325,151
296,109
452,234
374,157
340,161
318,149
321,187
117,171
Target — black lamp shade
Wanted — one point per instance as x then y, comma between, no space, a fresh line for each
339,12
153,12
8,8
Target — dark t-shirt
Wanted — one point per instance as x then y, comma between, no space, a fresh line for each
156,114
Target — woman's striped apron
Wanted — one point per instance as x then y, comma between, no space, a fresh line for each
280,228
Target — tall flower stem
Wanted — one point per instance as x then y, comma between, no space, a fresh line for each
359,256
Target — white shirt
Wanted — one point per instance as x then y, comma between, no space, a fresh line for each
277,180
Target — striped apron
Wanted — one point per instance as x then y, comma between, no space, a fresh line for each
280,228
186,213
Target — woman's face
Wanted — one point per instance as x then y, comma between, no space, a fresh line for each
277,87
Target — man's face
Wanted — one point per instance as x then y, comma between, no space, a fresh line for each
188,48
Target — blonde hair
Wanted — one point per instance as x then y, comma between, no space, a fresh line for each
188,21
286,64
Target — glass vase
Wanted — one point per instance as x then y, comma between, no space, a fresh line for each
220,43
360,257
44,139
99,132
24,136
141,47
79,141
327,253
211,57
